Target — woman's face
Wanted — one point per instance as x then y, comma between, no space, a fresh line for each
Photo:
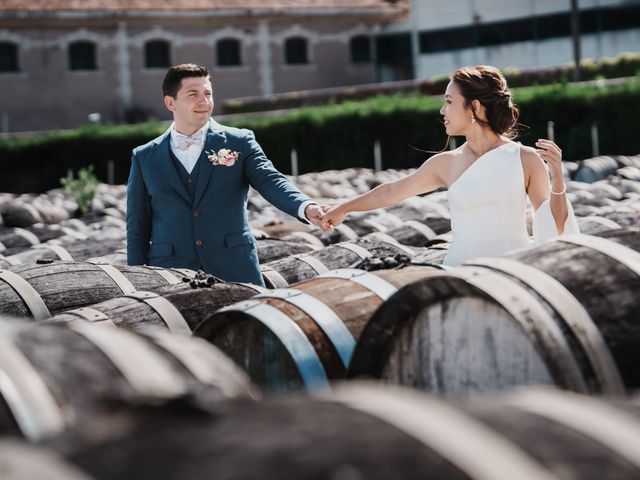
457,118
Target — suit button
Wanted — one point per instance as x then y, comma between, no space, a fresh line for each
189,180
198,242
196,213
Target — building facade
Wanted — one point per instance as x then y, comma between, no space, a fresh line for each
440,37
63,62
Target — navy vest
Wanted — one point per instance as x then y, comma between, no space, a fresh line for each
187,179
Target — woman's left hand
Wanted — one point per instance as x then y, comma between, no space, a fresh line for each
551,154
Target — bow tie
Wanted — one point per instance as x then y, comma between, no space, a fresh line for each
183,141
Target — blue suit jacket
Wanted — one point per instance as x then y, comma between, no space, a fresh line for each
165,228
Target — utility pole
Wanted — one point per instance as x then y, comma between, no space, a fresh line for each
575,34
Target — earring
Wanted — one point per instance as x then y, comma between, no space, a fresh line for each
473,119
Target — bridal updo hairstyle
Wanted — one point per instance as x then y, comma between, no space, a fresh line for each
487,85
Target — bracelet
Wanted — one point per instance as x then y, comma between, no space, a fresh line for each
561,192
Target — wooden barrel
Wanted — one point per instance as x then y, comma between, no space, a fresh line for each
42,290
270,249
367,432
594,169
55,375
70,250
593,224
303,336
563,313
296,268
17,239
177,308
412,233
20,460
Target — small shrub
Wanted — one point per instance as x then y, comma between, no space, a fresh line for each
83,188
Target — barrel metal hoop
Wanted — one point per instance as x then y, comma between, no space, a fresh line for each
185,271
383,237
292,337
315,242
347,231
373,224
572,312
164,273
117,276
620,253
60,251
147,372
167,312
314,263
91,315
74,233
467,443
355,248
421,228
27,293
274,277
377,285
327,319
607,222
31,402
27,235
525,309
206,363
613,428
22,461
252,286
9,260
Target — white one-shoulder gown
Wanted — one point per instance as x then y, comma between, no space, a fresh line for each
488,205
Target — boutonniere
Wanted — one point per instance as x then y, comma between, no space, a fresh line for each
224,157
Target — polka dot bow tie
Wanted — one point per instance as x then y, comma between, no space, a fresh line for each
184,142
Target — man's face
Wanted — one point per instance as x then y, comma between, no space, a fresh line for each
193,104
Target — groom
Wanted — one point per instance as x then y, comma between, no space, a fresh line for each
188,188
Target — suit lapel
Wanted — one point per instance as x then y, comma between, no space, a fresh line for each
169,170
212,143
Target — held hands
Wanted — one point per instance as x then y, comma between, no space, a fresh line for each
324,216
315,213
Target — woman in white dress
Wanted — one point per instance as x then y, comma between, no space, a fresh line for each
488,177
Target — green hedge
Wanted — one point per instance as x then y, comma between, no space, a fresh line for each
341,136
623,65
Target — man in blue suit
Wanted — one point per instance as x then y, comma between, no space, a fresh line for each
188,188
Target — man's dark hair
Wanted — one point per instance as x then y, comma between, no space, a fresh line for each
174,76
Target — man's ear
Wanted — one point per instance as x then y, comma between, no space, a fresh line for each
170,103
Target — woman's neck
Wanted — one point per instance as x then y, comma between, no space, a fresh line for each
482,141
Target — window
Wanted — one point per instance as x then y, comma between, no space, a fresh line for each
156,54
82,56
8,57
360,47
228,51
394,49
295,51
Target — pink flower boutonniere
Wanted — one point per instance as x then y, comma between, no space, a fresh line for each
224,157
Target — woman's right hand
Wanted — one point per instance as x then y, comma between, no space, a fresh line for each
332,217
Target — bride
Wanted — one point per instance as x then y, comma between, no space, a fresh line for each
488,177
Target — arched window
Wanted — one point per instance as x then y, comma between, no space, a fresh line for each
228,50
295,51
8,57
360,47
156,54
82,56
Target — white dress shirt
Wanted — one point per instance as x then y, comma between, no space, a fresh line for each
190,156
